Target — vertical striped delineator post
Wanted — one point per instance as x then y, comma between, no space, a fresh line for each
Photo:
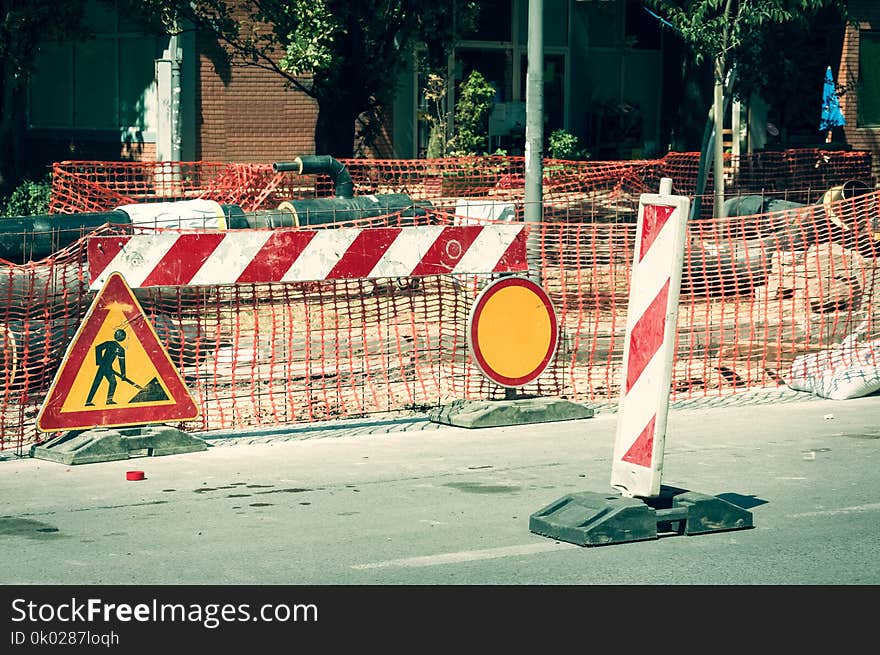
644,509
650,341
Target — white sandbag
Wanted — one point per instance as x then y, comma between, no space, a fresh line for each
840,373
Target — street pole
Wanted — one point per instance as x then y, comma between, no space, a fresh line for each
719,140
533,210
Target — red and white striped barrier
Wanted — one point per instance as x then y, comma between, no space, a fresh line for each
650,340
297,255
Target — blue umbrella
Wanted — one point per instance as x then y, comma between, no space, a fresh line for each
831,115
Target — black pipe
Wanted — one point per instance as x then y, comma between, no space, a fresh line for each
758,204
328,211
32,238
321,165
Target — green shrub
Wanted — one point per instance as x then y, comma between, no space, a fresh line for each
564,145
472,110
30,198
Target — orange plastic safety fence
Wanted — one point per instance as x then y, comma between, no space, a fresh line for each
758,291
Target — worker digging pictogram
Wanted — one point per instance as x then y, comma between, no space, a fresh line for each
107,354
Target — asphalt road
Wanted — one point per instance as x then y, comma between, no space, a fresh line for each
415,503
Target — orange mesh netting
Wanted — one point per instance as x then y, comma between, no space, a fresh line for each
758,290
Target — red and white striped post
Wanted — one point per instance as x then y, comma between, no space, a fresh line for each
650,342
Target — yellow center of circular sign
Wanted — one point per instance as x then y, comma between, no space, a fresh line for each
514,348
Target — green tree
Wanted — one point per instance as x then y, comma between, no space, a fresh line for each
30,198
472,116
739,38
24,26
346,55
435,115
746,36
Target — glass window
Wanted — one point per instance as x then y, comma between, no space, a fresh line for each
100,16
51,87
95,84
136,63
494,65
642,29
493,22
604,20
554,90
555,22
104,83
869,78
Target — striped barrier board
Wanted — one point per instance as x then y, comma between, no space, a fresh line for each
173,258
650,339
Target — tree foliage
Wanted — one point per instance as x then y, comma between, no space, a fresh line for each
29,198
435,115
24,26
346,55
472,116
741,35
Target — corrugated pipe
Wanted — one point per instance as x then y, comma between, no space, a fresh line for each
320,165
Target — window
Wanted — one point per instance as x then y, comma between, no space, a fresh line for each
604,21
554,90
493,22
642,29
869,79
555,19
494,65
102,84
498,49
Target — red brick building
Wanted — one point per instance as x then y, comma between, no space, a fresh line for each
607,79
859,73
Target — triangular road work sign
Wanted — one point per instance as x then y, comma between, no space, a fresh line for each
116,371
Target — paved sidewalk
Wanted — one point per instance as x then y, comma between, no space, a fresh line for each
413,421
419,421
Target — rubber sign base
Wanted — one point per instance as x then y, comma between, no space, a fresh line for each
102,444
596,519
497,413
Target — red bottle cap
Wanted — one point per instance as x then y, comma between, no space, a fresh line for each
134,475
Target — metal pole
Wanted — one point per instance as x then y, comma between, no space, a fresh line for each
719,139
533,211
176,126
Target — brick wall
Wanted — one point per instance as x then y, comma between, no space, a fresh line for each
246,114
867,12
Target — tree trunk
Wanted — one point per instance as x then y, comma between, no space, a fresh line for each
335,128
11,130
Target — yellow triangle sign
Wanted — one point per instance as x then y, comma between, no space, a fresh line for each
116,371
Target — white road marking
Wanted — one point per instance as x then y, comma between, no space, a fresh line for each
467,556
870,507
